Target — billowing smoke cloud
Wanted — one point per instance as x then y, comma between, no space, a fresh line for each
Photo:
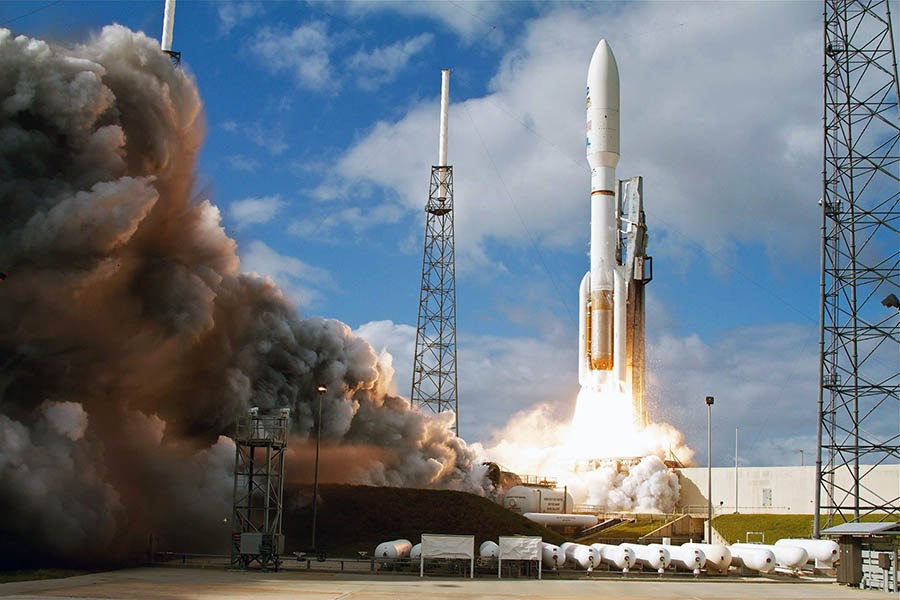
538,441
646,487
129,338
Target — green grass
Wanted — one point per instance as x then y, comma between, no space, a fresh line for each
357,518
630,529
734,528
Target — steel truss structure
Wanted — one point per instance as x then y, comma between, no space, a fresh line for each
859,406
260,442
434,366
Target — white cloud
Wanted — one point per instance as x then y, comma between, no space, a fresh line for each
762,377
332,226
239,162
298,280
269,137
480,22
382,65
723,138
232,14
303,52
255,211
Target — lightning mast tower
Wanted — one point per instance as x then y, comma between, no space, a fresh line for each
434,366
168,28
859,405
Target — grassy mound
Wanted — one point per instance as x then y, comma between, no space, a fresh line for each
734,528
357,518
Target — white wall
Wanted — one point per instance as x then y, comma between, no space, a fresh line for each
776,490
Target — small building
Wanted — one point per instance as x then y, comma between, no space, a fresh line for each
868,554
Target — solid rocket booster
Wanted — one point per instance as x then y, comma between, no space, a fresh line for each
602,289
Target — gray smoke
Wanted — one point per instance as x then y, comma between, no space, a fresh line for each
129,339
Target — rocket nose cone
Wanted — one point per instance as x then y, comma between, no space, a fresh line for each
603,74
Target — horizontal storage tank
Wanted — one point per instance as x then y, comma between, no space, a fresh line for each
717,555
488,549
684,558
393,549
654,558
523,499
615,556
824,552
752,556
551,556
786,557
562,520
578,555
416,552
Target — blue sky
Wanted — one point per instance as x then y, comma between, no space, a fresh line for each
322,125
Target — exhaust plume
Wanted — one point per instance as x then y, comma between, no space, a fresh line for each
129,339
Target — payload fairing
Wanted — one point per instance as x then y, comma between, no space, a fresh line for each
611,295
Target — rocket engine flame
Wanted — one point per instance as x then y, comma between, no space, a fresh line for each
129,339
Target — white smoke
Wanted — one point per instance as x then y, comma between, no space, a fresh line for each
538,441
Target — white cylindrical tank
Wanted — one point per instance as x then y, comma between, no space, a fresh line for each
786,557
562,520
654,558
717,555
393,549
522,499
552,556
415,552
824,552
579,555
685,558
615,556
753,557
488,549
555,501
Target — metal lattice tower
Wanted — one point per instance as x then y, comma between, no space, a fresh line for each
434,366
859,406
260,442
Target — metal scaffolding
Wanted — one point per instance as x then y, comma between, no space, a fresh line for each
859,406
260,442
434,367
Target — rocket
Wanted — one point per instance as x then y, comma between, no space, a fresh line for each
602,295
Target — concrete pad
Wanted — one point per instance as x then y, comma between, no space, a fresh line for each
153,583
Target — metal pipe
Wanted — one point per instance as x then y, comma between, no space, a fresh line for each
709,472
321,390
736,470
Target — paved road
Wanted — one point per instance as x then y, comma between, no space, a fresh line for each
202,584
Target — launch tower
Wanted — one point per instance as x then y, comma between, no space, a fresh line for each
434,366
859,387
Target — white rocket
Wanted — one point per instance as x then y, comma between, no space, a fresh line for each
602,296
